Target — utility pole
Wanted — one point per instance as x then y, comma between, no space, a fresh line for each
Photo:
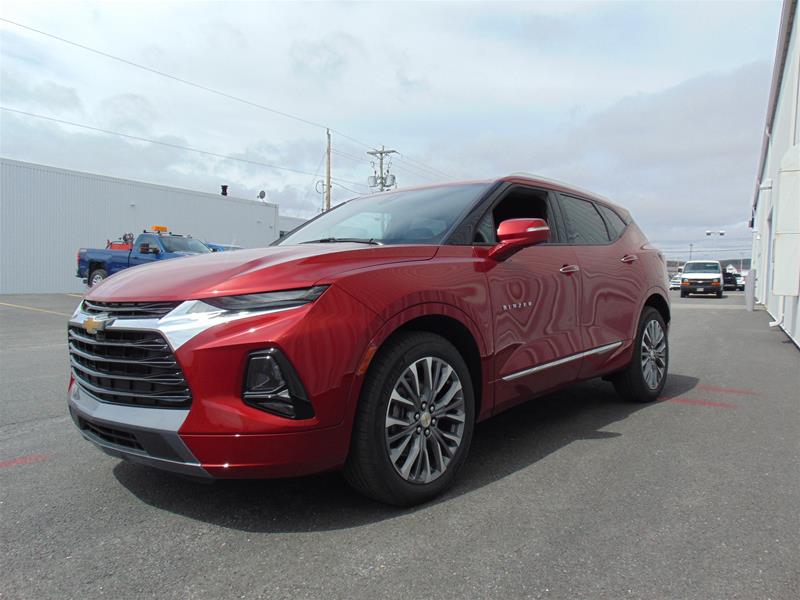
382,179
690,251
328,175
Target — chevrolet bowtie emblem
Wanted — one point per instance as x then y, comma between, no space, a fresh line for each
92,325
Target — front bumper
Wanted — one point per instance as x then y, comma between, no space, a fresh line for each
144,435
218,435
701,288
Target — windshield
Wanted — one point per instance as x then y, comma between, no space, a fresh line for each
701,267
182,244
421,216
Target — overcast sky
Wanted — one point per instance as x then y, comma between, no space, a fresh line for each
659,106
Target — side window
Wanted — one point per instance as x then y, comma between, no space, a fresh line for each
615,224
518,203
147,239
585,226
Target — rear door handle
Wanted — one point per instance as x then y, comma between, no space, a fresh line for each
570,269
629,258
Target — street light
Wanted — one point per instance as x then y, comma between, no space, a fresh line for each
710,233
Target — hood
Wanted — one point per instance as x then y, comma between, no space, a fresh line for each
702,275
248,271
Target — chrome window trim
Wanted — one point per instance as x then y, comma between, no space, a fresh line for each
561,361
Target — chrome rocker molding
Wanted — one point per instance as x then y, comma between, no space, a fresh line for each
562,361
160,426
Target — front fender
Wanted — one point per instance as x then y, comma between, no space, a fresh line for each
405,316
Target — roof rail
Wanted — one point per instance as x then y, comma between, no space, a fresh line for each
559,183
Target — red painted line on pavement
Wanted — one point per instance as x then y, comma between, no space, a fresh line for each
724,390
699,402
23,460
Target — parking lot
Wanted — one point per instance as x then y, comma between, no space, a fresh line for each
576,495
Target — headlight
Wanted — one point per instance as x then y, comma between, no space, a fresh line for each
715,281
268,300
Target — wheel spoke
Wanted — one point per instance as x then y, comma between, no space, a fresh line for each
448,396
396,397
444,375
405,470
396,453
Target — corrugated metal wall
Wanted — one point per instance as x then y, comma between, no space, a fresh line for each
46,214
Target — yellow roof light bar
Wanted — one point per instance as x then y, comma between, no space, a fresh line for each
160,228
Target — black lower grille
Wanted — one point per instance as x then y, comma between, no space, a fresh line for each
131,367
118,437
137,310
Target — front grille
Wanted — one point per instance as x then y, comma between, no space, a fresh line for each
128,367
138,310
111,434
700,281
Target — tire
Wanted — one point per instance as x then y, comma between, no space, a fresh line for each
96,277
635,384
376,462
719,294
684,294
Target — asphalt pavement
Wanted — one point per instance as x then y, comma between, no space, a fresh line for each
575,495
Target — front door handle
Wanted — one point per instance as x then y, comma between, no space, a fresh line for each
629,258
570,269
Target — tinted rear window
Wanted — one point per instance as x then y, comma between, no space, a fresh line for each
615,224
584,222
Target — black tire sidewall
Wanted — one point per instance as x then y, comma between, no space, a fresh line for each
400,356
93,273
641,388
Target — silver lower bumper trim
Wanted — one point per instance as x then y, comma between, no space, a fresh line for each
147,436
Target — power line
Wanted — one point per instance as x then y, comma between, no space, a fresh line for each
420,165
195,85
404,168
167,144
346,188
363,159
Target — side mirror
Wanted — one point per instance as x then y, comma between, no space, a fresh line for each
515,234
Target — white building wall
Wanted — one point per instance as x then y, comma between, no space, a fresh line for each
776,239
46,214
287,224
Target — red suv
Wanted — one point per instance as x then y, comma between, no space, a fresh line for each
372,338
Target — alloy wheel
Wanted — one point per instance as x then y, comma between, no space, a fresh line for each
653,354
425,420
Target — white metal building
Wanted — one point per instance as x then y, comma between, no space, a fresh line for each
286,224
46,214
776,203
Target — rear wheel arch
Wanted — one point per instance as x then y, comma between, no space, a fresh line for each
658,302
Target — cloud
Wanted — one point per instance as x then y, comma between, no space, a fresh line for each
657,105
682,160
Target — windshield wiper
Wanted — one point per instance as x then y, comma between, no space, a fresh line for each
335,240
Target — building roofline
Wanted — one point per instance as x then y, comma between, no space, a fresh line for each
788,14
88,174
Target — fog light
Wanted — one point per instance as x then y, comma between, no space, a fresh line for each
271,384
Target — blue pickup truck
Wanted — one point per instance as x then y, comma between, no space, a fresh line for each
95,264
